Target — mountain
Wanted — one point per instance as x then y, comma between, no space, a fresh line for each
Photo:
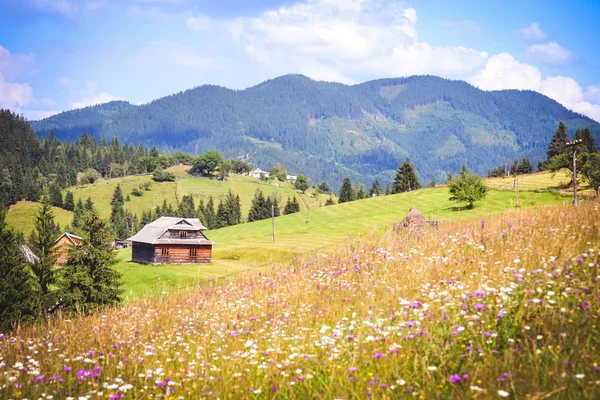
330,130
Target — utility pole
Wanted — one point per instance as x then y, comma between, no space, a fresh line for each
517,187
273,222
568,144
308,207
575,177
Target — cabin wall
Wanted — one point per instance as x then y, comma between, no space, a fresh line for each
180,254
61,249
142,252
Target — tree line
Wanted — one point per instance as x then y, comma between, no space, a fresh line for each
32,288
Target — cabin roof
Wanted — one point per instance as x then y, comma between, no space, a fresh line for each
28,254
69,236
152,232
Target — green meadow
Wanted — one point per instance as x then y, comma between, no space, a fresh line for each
249,246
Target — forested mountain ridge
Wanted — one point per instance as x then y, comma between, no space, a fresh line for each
330,130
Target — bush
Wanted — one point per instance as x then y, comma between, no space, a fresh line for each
146,186
90,175
160,175
137,192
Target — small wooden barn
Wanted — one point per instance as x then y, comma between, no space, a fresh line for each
172,240
63,244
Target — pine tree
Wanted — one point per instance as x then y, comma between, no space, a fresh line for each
209,214
258,207
375,189
221,215
406,178
347,192
360,192
588,144
525,167
291,206
88,280
558,143
69,201
16,285
56,198
42,240
78,214
118,219
89,205
330,201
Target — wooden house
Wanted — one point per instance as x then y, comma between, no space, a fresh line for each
172,240
63,244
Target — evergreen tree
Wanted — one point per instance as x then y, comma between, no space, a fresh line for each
187,209
69,201
56,198
78,214
587,139
387,190
118,219
406,178
360,192
210,216
89,205
221,215
558,143
375,189
42,240
258,208
16,284
467,188
525,167
88,280
330,201
291,206
347,192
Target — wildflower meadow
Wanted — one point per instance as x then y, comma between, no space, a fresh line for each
501,307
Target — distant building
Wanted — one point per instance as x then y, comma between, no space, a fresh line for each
172,240
62,246
258,172
291,178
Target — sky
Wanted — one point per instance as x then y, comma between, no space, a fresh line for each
57,55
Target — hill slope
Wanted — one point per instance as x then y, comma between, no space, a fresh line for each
331,130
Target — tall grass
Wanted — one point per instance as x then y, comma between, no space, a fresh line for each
502,307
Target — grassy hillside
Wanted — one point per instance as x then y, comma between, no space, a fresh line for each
22,214
546,180
249,245
504,310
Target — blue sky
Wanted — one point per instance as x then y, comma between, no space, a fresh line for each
57,55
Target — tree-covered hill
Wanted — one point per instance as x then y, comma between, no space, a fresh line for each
330,130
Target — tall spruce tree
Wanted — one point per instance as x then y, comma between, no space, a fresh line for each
258,208
375,189
56,198
558,143
406,178
16,285
118,219
291,206
88,279
587,139
42,240
69,201
78,214
346,192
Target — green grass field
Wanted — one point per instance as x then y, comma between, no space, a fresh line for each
542,181
22,214
248,246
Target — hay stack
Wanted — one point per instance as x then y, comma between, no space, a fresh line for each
414,218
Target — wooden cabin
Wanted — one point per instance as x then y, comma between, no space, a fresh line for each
172,240
63,244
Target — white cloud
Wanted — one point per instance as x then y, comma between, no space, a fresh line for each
549,53
533,32
592,93
356,40
568,92
15,66
14,94
100,98
502,71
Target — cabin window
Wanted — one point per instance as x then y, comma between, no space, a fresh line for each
165,252
193,252
182,234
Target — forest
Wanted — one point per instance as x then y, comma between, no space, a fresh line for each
330,130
